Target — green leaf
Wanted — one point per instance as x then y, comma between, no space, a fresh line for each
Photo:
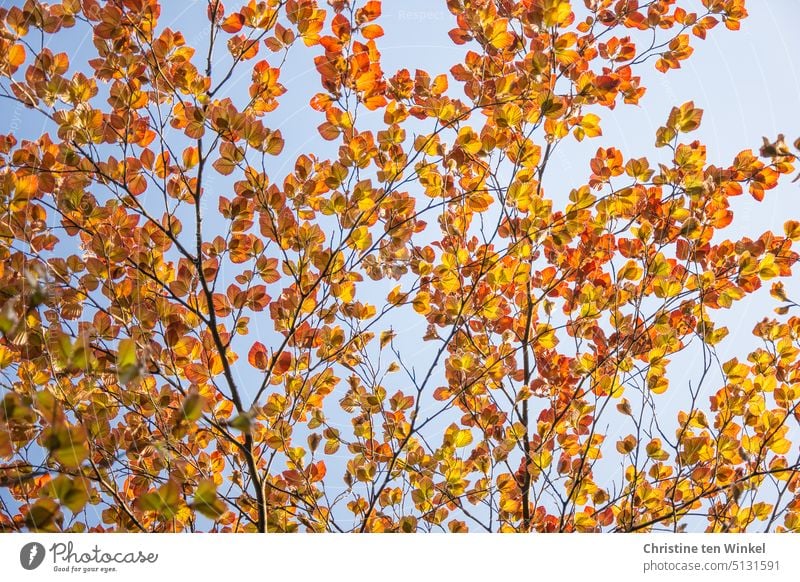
192,407
165,501
71,455
127,364
72,494
67,446
206,500
242,422
126,354
43,515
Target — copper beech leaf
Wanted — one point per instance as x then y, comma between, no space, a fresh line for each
258,356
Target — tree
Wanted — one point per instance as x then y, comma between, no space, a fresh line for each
182,355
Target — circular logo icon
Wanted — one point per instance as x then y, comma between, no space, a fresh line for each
31,555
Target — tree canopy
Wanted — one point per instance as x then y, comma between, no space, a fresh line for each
411,328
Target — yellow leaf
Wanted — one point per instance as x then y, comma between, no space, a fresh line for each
657,384
469,140
127,365
422,302
584,521
686,118
792,230
556,12
361,238
780,446
126,353
588,126
6,357
767,269
666,287
546,336
631,270
386,337
462,438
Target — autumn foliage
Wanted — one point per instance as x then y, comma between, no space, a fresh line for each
411,329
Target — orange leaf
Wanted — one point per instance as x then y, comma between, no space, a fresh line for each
328,131
258,356
372,31
233,23
16,55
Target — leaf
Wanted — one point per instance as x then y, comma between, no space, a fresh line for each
372,31
639,169
584,521
767,269
71,454
369,12
686,118
192,407
274,143
792,230
233,23
462,438
127,364
283,362
191,157
627,445
778,291
780,446
165,501
43,515
655,451
15,55
197,373
360,238
459,36
422,302
72,494
258,356
328,131
556,12
207,502
588,126
6,448
386,337
242,422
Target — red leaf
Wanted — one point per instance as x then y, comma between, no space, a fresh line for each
283,363
258,357
459,36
